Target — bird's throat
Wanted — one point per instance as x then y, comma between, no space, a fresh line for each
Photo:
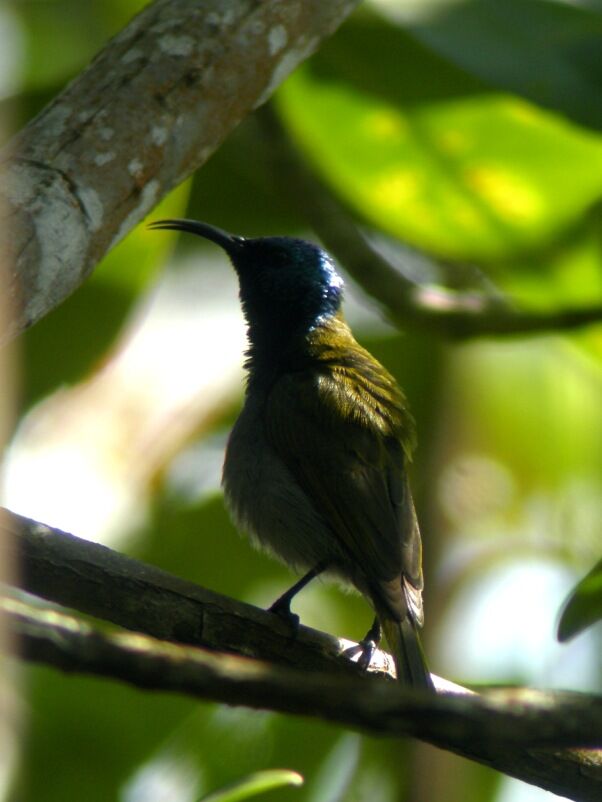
274,350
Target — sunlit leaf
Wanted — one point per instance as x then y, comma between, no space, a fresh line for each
255,784
584,606
451,167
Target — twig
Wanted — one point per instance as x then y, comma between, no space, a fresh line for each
444,312
148,111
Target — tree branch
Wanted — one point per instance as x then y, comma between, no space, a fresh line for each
149,110
101,582
444,312
508,730
521,732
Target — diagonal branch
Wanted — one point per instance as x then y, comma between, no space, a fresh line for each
101,582
149,110
444,312
517,732
513,730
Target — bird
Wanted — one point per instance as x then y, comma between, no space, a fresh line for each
316,465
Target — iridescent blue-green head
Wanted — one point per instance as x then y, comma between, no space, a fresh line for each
287,286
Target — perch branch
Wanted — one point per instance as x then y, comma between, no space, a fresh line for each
101,582
518,732
542,738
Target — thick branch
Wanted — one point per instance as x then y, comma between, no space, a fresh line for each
149,110
451,314
101,582
311,671
501,730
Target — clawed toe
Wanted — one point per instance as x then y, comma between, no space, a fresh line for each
365,649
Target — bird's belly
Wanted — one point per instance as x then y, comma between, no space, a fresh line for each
266,502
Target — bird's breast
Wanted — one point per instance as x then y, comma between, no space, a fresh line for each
265,500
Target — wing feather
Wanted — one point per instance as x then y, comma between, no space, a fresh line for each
340,431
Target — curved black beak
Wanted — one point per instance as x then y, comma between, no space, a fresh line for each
228,242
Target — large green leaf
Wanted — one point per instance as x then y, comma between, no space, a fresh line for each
428,154
584,605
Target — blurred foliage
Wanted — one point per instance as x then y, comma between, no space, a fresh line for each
468,129
584,606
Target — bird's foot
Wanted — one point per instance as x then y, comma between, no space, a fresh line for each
366,647
282,608
282,605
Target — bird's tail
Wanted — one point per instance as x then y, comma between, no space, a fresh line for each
404,642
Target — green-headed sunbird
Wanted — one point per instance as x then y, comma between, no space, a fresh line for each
316,465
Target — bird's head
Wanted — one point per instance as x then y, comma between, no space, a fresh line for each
287,285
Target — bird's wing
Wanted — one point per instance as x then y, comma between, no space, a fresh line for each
341,436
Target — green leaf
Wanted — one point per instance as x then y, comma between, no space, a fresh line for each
584,605
427,153
254,784
566,274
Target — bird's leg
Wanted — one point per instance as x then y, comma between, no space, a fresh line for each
367,646
282,605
